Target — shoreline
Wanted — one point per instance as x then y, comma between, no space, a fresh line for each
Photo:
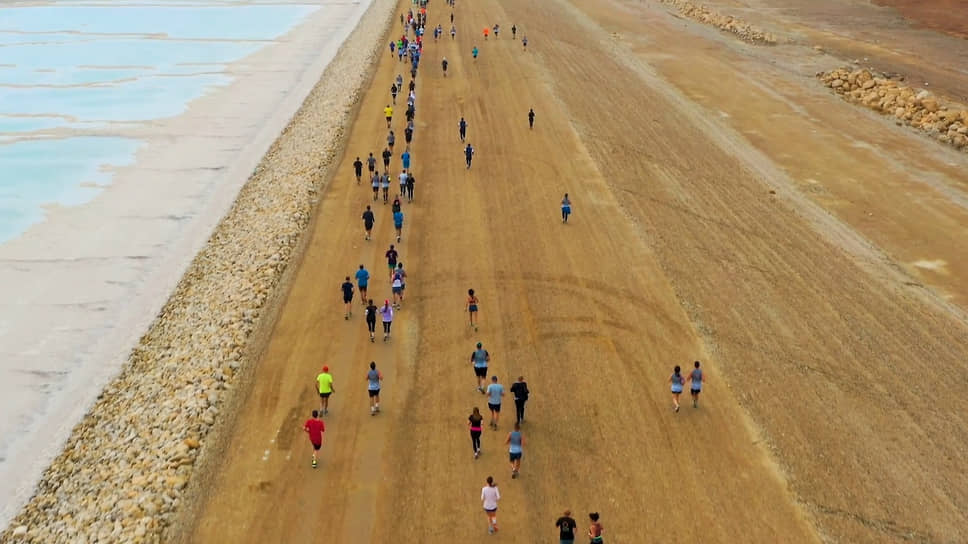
201,313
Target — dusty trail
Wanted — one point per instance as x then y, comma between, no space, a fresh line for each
676,251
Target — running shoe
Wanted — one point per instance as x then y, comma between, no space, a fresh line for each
314,463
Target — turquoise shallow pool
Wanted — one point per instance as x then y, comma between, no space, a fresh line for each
68,69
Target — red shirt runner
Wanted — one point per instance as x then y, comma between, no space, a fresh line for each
316,430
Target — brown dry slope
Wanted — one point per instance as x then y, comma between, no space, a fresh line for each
676,251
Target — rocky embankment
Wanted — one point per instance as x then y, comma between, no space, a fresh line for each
727,23
945,121
125,468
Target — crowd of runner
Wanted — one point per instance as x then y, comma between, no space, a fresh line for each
409,48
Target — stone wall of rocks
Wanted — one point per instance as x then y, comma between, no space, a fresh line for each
728,23
945,121
125,468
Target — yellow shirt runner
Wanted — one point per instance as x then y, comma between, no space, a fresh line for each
325,381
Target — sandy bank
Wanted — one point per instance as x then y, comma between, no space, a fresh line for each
126,464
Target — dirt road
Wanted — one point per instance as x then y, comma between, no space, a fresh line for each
833,409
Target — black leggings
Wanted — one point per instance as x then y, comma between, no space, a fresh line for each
476,440
386,327
519,404
371,325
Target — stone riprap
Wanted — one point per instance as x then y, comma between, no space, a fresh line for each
726,23
123,472
943,120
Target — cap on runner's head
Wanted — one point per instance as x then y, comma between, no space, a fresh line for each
325,369
478,344
386,301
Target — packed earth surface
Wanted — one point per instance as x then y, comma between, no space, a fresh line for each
729,206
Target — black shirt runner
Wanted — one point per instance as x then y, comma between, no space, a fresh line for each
566,527
347,291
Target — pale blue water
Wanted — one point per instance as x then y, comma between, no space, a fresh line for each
70,66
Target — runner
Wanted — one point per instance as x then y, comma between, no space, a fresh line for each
408,133
524,42
347,289
695,381
398,223
489,496
595,530
480,358
676,380
370,312
514,31
494,393
411,111
474,423
385,185
399,81
391,256
468,155
405,160
388,112
403,183
368,218
462,128
474,52
413,85
358,169
374,382
387,154
391,139
453,29
515,443
410,183
443,64
315,428
471,307
371,163
393,47
376,189
497,30
566,524
487,31
362,280
403,280
387,313
395,207
393,92
531,118
324,381
519,390
565,208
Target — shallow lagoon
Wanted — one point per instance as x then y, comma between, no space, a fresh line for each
68,70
